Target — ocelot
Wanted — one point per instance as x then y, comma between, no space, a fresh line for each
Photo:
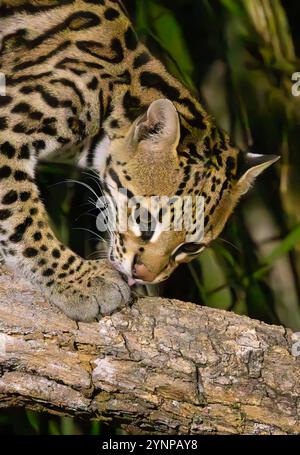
80,85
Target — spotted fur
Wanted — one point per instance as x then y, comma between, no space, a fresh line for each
80,85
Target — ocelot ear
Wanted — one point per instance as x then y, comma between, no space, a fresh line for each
250,166
160,124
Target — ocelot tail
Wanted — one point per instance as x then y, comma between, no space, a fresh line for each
81,86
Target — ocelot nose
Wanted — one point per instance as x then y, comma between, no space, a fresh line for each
140,271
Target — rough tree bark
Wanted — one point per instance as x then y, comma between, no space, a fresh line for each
160,366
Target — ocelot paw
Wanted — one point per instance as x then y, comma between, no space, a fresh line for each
98,293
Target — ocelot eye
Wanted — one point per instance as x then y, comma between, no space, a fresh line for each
189,248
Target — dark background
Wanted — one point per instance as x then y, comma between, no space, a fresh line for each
239,56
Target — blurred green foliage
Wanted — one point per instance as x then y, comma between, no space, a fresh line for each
239,56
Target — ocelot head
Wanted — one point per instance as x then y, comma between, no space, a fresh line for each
172,191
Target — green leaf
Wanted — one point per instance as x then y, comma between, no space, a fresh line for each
286,245
96,427
260,303
161,23
34,420
54,428
213,278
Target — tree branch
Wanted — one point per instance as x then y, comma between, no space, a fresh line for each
161,366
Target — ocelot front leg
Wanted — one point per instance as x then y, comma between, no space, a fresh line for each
82,289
